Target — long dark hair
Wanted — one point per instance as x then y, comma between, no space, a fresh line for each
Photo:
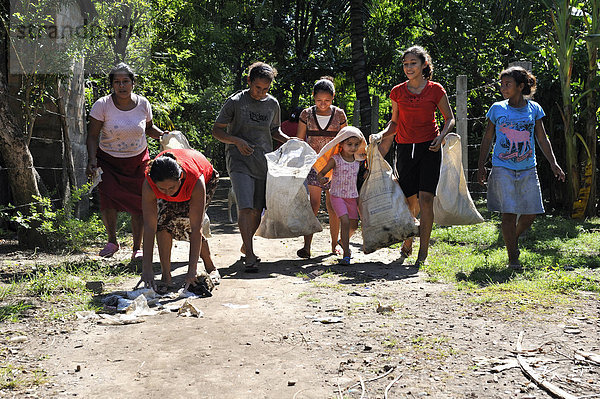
424,56
164,167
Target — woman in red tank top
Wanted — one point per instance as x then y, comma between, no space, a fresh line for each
178,188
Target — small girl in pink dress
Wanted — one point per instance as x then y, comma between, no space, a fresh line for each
345,163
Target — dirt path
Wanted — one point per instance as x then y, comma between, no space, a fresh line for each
262,335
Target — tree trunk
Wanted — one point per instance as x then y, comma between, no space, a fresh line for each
13,143
359,64
591,134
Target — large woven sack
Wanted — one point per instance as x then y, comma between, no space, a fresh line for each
453,204
288,212
385,217
174,140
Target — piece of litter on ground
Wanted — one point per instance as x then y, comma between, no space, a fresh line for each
123,303
572,330
235,306
18,339
86,315
139,307
189,310
384,308
329,320
149,293
118,320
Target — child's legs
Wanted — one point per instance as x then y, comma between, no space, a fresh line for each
347,209
164,240
334,222
509,233
524,222
426,223
413,207
345,234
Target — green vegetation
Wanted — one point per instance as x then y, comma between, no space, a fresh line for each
56,229
61,286
12,377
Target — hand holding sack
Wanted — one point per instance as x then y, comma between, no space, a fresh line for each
385,216
288,212
453,204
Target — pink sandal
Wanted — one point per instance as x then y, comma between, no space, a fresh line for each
109,250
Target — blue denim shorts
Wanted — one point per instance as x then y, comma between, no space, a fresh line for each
514,191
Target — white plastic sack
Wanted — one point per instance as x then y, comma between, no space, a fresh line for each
385,216
453,204
288,212
174,140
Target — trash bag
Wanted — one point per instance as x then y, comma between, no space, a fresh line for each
385,216
453,204
288,212
174,140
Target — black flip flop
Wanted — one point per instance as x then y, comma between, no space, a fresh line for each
251,267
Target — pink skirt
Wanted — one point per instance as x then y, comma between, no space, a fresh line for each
122,179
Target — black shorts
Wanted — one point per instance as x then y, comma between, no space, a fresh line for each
417,168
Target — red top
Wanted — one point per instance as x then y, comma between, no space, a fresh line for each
416,112
194,164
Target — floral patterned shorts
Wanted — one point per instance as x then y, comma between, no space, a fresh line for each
174,216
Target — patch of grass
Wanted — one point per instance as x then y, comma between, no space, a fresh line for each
303,294
13,377
13,312
313,300
429,347
560,256
60,286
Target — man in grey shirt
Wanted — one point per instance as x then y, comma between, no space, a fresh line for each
247,124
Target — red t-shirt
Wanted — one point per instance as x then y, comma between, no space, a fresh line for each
416,112
194,164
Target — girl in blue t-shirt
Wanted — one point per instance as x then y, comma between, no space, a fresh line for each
513,185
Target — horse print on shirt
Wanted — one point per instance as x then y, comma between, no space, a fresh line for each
518,140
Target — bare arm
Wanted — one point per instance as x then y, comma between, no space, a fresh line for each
279,135
484,150
389,131
153,131
546,147
444,107
221,134
301,131
150,213
321,175
196,215
93,137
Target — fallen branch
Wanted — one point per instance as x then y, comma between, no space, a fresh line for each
538,379
387,389
589,356
362,386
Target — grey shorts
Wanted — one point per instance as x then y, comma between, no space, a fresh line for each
249,192
514,191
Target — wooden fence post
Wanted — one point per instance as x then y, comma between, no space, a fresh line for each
527,65
461,120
